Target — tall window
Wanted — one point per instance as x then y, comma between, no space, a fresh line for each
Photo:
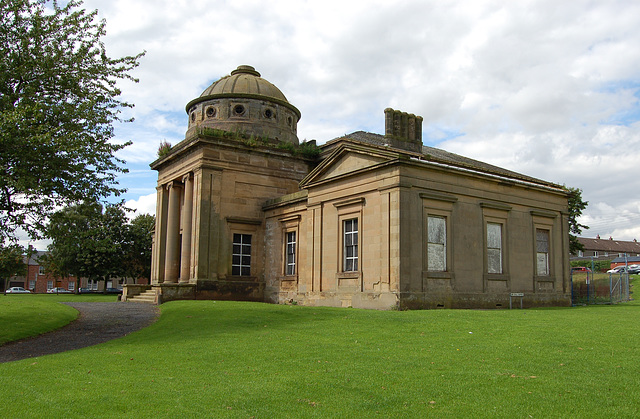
40,270
494,248
542,252
291,253
49,285
71,286
350,229
241,258
32,284
436,244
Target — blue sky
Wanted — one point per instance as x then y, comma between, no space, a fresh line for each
546,88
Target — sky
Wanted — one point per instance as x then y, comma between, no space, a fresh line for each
550,89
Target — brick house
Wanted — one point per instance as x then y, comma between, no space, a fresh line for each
37,280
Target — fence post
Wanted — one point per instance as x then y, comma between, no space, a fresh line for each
610,288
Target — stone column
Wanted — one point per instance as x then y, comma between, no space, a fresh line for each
187,216
172,256
159,249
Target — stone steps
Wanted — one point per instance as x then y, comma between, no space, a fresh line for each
148,296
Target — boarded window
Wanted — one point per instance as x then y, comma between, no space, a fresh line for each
350,228
241,257
436,244
542,252
494,248
291,253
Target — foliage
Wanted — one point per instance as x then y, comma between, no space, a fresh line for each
309,149
306,149
58,101
576,206
598,265
11,262
98,243
137,255
88,241
164,148
260,360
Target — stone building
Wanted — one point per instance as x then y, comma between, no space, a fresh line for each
247,212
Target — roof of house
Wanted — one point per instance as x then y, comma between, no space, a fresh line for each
441,156
610,245
628,259
33,259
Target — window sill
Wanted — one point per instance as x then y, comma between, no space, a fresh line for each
348,275
248,278
496,277
437,274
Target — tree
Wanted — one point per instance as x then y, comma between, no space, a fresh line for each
576,206
99,243
88,241
58,101
137,261
11,263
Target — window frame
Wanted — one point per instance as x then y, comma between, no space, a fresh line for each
348,237
444,244
496,213
550,222
290,224
500,249
441,205
547,254
244,270
349,209
291,249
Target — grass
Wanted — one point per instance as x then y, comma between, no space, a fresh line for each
24,315
235,359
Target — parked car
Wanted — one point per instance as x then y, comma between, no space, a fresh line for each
17,290
617,270
634,269
580,269
86,291
58,291
114,291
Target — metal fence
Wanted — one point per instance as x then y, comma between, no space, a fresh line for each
587,288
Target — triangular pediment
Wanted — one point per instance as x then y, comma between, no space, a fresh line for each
347,160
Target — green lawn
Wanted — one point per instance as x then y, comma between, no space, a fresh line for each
234,359
24,315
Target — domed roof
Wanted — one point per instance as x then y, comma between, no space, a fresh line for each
244,82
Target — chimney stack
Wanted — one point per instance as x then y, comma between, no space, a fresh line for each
403,130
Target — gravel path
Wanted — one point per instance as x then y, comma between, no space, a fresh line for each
97,323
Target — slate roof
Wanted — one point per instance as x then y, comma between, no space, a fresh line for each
441,156
610,245
34,259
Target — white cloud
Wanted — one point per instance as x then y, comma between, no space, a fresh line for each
542,87
145,204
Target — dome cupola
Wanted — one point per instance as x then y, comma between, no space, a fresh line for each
245,102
